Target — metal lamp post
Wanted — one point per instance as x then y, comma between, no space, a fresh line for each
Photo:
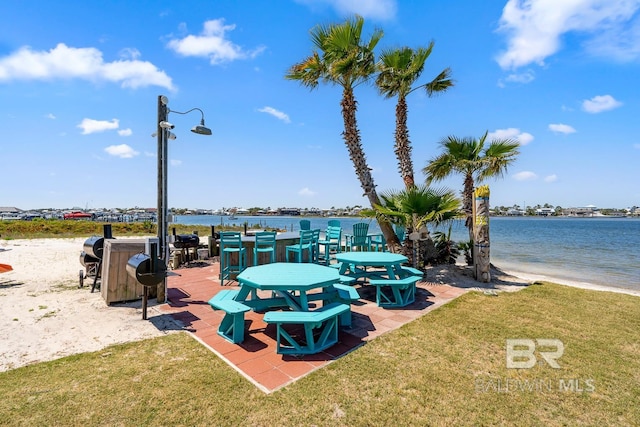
164,134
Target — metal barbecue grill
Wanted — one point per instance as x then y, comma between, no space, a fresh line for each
184,242
148,270
91,257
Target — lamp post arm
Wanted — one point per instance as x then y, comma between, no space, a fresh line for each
187,112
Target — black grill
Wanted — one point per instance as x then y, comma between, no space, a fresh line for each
186,241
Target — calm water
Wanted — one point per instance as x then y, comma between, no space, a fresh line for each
603,251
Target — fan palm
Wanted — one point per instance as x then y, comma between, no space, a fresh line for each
415,208
398,71
341,57
469,157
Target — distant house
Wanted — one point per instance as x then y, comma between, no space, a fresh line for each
289,211
586,211
515,212
8,212
545,211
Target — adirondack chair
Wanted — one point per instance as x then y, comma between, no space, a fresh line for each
359,240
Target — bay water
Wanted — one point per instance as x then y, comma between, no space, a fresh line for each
600,251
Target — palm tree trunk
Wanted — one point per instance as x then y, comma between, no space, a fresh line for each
403,145
467,203
351,137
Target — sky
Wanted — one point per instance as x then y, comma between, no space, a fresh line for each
80,83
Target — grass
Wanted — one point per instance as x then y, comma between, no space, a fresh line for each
431,371
50,228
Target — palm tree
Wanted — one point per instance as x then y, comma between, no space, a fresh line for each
398,70
469,157
341,57
415,208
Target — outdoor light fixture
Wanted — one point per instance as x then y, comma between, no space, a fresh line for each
163,134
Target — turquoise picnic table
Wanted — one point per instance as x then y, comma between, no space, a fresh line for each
395,284
355,264
293,286
291,282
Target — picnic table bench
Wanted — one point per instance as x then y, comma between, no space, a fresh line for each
325,319
232,325
395,292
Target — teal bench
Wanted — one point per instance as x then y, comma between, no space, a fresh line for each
232,325
345,294
347,280
395,292
412,271
325,319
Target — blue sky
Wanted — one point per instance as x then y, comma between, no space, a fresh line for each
80,82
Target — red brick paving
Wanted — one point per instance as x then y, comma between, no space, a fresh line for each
256,357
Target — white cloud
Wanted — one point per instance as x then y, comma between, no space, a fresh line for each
306,192
374,9
525,176
50,116
551,178
130,53
561,128
213,44
174,162
600,103
275,113
524,77
94,126
511,133
123,151
63,62
534,28
125,132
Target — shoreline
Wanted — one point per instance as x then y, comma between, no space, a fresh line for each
44,314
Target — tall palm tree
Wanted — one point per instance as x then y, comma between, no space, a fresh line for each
415,208
469,157
341,57
398,71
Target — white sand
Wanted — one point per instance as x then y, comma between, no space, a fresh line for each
45,316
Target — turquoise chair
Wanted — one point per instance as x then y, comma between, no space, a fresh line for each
334,223
378,243
305,244
231,243
400,230
315,245
359,240
331,242
265,243
305,224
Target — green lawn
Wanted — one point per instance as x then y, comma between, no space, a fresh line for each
449,367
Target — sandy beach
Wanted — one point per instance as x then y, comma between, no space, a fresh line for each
44,315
